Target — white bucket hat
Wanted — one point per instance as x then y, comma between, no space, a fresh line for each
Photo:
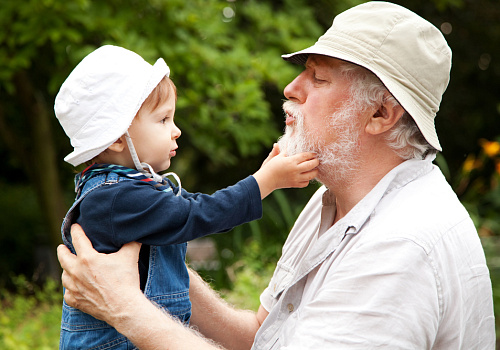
100,98
407,53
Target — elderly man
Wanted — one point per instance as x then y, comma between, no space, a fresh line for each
383,255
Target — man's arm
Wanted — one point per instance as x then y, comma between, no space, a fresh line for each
148,327
107,287
214,318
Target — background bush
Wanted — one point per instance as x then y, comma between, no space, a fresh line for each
30,316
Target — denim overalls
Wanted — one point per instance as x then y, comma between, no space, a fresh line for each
167,285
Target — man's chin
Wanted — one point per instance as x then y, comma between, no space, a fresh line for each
294,142
283,144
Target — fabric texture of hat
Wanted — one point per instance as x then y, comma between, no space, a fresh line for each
100,98
406,52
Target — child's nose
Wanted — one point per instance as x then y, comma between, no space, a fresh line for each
176,133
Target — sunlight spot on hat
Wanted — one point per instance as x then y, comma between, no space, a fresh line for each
446,28
484,61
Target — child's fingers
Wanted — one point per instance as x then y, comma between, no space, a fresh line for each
308,164
302,179
274,152
302,184
276,149
302,157
311,174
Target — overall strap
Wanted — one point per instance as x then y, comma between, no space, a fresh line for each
96,169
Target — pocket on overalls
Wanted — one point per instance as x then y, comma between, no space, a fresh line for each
176,304
82,331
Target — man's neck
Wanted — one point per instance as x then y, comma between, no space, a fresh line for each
354,187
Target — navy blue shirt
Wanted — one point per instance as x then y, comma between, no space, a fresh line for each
116,205
127,211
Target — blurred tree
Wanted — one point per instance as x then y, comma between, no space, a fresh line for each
223,65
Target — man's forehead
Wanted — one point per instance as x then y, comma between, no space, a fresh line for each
315,60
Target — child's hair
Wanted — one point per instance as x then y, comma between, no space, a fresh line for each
158,96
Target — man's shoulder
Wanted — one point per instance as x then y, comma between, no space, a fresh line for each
423,211
429,197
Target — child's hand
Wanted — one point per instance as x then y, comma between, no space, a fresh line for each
281,171
274,152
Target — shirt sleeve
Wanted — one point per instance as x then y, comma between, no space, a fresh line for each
135,211
382,295
266,299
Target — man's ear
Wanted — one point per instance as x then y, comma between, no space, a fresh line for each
118,146
384,117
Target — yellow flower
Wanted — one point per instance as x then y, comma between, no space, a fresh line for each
469,163
491,148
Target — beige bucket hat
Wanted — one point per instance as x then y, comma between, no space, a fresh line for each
100,98
407,53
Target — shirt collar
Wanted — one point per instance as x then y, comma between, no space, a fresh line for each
398,177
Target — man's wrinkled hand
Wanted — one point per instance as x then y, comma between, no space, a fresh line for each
98,284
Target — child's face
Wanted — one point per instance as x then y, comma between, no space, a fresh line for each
154,134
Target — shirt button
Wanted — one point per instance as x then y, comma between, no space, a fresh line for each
290,307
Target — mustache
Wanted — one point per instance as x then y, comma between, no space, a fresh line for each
295,138
292,108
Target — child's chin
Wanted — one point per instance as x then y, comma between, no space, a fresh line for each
164,167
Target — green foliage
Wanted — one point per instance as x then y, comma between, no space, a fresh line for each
250,275
30,318
21,223
257,245
219,64
25,35
228,76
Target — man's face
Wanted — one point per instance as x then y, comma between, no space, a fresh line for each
321,118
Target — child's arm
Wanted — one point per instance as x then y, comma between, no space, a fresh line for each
281,171
174,219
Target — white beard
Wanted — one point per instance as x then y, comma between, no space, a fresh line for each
339,158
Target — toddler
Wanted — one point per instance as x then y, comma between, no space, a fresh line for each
118,111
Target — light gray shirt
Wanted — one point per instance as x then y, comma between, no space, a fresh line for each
404,269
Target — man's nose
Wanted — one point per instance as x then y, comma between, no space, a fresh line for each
295,90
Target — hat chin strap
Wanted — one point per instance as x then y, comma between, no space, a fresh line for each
146,169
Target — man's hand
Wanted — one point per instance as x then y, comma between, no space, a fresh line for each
99,284
107,287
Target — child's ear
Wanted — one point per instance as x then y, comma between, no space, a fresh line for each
119,145
384,118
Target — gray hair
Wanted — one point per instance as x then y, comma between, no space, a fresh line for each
405,138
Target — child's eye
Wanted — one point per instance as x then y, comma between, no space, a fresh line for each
164,120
